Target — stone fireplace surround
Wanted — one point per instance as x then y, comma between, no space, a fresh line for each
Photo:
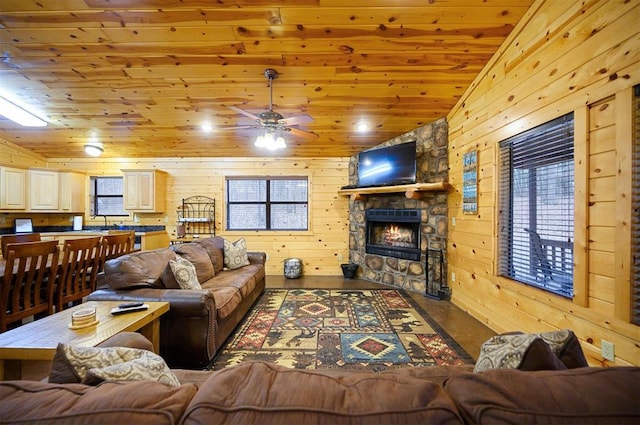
432,166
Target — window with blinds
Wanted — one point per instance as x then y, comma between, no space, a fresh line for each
635,229
267,203
536,202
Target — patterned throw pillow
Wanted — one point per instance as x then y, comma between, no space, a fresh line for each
235,254
512,351
92,365
185,273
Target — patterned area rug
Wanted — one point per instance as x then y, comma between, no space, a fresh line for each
351,329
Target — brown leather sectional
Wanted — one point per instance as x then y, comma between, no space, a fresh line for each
198,321
263,393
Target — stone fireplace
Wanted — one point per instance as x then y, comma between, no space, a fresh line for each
399,256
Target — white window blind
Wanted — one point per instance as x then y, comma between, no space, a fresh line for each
536,188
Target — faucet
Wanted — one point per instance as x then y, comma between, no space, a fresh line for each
105,220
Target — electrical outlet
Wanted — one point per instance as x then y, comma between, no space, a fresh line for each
3,220
607,350
453,221
453,276
340,256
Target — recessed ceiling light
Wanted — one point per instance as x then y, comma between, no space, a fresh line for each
362,126
206,127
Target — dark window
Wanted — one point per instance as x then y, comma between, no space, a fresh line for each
635,229
107,196
536,207
267,203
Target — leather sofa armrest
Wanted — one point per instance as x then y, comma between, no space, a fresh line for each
257,257
183,303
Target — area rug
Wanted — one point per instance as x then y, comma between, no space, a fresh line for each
374,329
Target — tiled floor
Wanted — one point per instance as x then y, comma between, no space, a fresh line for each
467,331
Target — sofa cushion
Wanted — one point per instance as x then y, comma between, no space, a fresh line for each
92,365
215,248
235,254
198,256
184,273
263,393
34,402
527,351
138,269
572,396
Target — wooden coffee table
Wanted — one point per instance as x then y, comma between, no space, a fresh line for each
37,341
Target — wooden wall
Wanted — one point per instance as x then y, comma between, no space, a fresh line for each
321,249
564,56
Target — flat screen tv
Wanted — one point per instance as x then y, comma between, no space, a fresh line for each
387,166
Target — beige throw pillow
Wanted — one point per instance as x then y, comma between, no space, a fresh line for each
235,254
92,365
185,273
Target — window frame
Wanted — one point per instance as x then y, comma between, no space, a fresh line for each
267,203
95,196
539,150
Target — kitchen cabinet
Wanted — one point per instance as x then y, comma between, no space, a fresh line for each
144,190
43,190
13,188
72,192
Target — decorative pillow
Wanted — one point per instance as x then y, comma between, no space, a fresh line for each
523,351
235,254
199,257
185,273
92,365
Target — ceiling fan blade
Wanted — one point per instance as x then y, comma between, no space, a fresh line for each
245,113
302,133
299,119
238,127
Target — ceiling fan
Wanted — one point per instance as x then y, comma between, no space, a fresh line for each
271,121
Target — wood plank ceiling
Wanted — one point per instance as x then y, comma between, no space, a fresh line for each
142,76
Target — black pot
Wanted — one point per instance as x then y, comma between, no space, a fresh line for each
349,270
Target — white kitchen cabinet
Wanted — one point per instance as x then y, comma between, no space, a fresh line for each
43,190
13,188
144,190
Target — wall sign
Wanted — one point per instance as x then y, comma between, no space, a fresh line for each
470,183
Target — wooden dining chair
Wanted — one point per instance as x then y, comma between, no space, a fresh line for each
17,238
115,245
81,259
28,281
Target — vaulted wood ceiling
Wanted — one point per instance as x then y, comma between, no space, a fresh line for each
143,75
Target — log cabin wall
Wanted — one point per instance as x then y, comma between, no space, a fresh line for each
580,57
321,248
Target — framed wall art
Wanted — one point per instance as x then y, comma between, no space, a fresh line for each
470,182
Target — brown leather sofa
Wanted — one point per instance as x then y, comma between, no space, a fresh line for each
198,321
263,393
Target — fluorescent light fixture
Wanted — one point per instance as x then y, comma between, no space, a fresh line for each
19,115
93,149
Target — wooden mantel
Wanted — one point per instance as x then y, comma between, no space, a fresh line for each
411,191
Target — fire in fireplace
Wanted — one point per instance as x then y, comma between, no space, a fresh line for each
393,233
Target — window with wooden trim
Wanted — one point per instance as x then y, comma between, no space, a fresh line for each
635,226
536,202
267,203
107,196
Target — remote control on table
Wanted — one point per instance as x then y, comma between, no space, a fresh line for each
120,310
130,305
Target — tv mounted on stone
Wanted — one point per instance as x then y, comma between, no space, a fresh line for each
387,166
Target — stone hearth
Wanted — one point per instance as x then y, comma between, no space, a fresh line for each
432,166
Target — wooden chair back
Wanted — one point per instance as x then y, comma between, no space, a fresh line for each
17,238
115,245
81,259
28,281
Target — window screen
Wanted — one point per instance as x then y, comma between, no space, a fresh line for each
107,196
536,187
267,203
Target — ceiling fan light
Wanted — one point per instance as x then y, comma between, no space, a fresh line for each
280,144
260,142
93,150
